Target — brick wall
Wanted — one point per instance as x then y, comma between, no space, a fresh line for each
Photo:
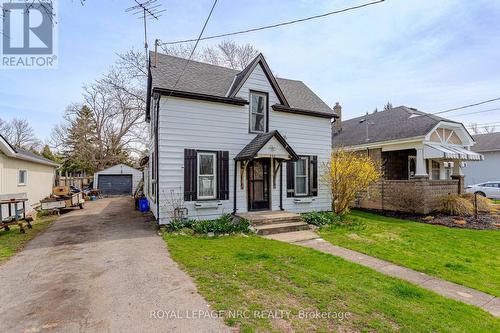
396,194
396,163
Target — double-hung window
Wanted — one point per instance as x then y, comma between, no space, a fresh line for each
435,170
22,179
207,175
258,112
302,176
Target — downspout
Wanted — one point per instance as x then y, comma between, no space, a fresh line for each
235,182
157,156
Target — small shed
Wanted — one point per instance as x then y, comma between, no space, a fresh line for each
117,180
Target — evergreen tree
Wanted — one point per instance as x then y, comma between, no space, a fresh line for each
388,106
48,154
79,152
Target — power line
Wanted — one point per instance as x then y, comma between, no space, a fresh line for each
468,106
276,25
476,112
194,48
483,124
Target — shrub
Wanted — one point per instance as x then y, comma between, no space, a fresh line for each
455,205
484,205
332,220
176,225
346,174
223,225
318,218
407,199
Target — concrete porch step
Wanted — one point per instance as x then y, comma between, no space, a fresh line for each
270,217
276,228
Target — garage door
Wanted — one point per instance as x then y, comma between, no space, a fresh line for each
115,184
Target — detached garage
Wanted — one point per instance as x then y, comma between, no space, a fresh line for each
117,180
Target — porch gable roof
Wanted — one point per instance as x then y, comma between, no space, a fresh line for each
252,149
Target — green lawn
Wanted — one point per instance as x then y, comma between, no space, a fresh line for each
252,275
495,201
467,257
12,241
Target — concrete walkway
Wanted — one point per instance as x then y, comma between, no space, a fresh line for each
442,287
100,269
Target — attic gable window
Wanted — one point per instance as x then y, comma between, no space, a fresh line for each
258,112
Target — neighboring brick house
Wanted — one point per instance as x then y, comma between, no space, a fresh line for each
420,154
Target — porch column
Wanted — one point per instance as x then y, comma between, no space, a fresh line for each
421,172
457,169
458,175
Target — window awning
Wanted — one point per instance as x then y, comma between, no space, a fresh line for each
267,145
439,151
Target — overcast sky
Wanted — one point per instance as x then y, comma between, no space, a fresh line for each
432,55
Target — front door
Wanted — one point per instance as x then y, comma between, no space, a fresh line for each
258,185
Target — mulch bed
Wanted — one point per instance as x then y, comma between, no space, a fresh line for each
484,221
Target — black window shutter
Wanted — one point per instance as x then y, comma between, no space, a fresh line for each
313,178
223,175
190,174
290,179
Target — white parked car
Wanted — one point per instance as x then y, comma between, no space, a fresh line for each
488,189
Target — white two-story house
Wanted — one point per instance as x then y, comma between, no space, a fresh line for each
229,141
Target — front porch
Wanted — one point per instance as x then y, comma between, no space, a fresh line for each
416,176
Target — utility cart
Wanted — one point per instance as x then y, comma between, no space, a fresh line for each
62,198
13,211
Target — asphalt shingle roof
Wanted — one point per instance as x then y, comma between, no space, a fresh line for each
397,123
486,142
253,147
27,153
33,155
208,79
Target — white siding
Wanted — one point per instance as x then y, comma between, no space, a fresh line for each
482,171
191,124
120,169
39,181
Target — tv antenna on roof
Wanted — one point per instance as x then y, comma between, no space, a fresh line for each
367,123
150,9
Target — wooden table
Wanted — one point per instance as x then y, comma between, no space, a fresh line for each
16,218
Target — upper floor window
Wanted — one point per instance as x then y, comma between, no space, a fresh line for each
23,174
258,112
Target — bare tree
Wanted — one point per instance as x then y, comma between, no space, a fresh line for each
226,53
489,129
474,129
117,103
19,133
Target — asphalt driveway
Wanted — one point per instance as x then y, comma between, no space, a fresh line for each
100,269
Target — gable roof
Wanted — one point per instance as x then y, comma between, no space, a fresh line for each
22,154
487,142
202,79
122,166
394,124
242,76
253,148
